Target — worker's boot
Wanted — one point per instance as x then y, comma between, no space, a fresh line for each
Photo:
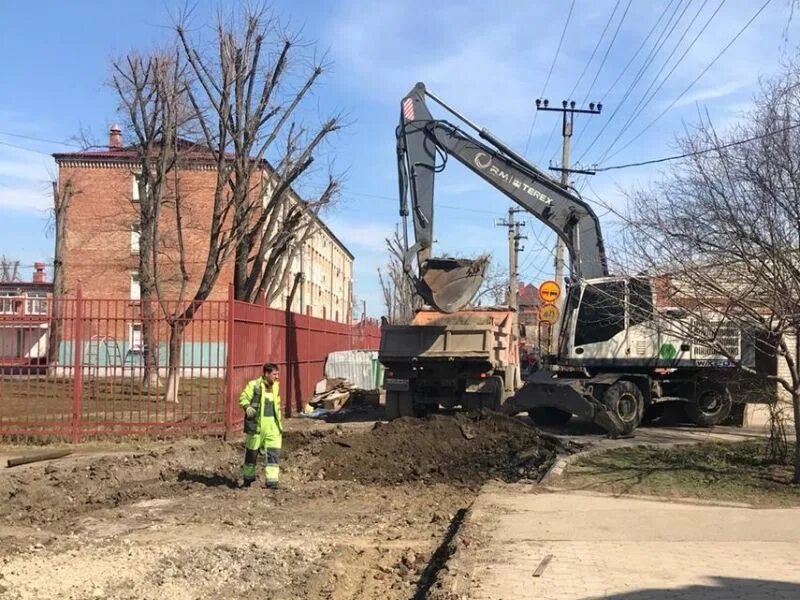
247,482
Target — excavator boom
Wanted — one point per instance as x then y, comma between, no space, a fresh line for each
449,284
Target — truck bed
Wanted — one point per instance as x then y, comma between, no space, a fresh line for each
404,342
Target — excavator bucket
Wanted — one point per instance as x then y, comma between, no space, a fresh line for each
452,282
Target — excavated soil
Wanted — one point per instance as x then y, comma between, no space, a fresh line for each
364,511
464,449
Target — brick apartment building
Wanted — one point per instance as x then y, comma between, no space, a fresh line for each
101,241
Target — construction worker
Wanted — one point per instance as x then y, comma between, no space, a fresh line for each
261,403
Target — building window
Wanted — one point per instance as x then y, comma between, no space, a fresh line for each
135,187
135,337
7,302
36,303
136,292
136,234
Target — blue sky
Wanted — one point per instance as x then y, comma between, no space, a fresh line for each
488,60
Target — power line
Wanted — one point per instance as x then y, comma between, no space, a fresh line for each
393,199
640,107
10,145
542,247
696,79
608,50
651,55
605,56
699,152
549,73
38,139
638,50
596,48
621,75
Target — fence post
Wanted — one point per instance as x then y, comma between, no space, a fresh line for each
229,367
77,366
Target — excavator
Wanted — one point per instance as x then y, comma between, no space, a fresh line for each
614,357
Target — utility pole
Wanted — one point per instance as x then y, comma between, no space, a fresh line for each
567,111
512,297
514,248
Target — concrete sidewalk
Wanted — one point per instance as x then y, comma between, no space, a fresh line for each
625,548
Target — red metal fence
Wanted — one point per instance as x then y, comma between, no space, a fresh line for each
109,372
298,344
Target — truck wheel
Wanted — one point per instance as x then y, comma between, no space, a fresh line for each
494,399
624,400
392,407
421,410
549,416
405,404
711,407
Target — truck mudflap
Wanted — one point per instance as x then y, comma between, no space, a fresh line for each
576,396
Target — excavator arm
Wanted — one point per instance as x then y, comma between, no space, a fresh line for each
450,284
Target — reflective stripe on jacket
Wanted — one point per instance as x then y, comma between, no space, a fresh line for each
270,404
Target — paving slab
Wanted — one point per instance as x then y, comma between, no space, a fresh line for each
626,548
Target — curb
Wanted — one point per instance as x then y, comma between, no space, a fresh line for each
562,462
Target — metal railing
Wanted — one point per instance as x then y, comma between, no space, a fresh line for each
112,367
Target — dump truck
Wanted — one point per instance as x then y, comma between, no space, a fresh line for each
467,359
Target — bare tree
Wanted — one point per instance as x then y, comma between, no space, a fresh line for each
494,289
151,91
248,109
9,269
62,197
722,231
399,296
234,99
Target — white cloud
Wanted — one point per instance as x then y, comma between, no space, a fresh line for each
363,235
24,179
715,91
465,54
25,198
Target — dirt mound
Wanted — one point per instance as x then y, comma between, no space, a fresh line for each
466,449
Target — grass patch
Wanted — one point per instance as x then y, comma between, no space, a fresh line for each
736,472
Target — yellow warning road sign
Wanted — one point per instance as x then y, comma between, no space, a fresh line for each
549,291
548,313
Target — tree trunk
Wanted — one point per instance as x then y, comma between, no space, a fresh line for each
60,205
54,334
174,363
240,273
796,412
149,321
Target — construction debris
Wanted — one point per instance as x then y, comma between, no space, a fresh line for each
331,394
542,565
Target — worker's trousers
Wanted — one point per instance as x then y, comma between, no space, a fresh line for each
270,444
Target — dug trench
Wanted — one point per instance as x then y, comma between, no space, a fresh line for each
364,511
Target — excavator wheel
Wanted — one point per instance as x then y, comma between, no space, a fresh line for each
711,406
625,402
